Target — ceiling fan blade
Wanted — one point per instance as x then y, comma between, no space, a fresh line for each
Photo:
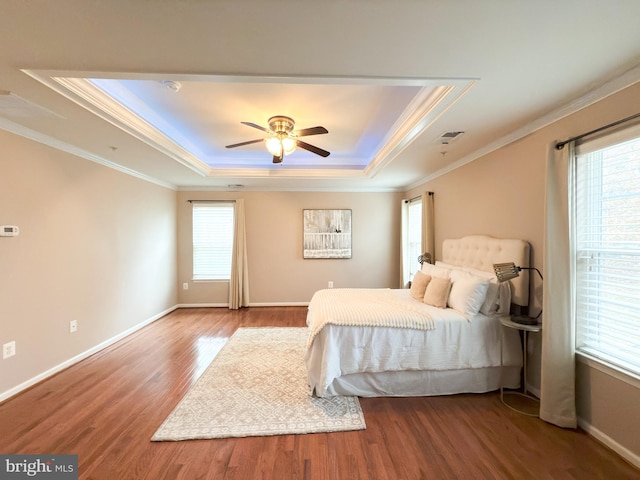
310,131
277,159
249,124
312,148
244,143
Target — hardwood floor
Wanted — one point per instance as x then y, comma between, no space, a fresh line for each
106,408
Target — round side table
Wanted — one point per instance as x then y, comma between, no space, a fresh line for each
508,322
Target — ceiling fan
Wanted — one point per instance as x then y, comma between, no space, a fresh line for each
282,139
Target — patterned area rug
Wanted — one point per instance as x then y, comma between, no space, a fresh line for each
255,386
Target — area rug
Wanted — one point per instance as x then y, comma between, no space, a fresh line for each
257,386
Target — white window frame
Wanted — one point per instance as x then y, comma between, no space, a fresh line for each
607,251
412,237
212,235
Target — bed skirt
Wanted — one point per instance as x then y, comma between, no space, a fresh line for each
424,383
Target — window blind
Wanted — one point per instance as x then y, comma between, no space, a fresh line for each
212,240
607,250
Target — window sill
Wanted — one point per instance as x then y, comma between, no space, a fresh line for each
609,369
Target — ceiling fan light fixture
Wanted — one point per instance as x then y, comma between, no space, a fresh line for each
274,146
282,139
280,145
288,145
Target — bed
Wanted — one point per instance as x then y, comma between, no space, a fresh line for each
389,342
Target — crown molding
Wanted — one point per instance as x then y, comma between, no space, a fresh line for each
621,82
429,105
84,93
22,131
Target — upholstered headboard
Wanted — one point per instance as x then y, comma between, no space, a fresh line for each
481,252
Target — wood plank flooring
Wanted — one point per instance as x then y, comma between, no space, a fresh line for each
106,408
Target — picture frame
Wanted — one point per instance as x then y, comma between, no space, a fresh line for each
326,233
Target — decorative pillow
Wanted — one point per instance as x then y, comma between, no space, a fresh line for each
434,271
468,293
419,285
437,292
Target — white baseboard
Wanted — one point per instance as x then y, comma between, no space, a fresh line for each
67,363
280,304
605,439
533,390
203,305
226,305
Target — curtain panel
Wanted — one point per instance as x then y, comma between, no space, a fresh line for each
428,225
557,383
239,282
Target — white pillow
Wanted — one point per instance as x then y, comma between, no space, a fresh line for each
435,271
448,266
498,298
468,293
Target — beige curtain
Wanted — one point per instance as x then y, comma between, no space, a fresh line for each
428,225
239,283
557,383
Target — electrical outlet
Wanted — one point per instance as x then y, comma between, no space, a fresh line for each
73,326
185,286
8,350
330,285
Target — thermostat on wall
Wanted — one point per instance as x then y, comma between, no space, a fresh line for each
9,231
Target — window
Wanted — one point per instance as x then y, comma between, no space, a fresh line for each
412,237
607,249
212,240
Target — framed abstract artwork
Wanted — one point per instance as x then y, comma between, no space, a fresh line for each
327,233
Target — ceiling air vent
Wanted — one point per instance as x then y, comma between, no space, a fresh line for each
448,137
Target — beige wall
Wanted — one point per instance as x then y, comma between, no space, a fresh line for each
277,272
95,245
502,194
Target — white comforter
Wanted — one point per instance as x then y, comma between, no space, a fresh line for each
373,307
452,342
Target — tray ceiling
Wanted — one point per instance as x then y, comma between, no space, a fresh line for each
389,80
